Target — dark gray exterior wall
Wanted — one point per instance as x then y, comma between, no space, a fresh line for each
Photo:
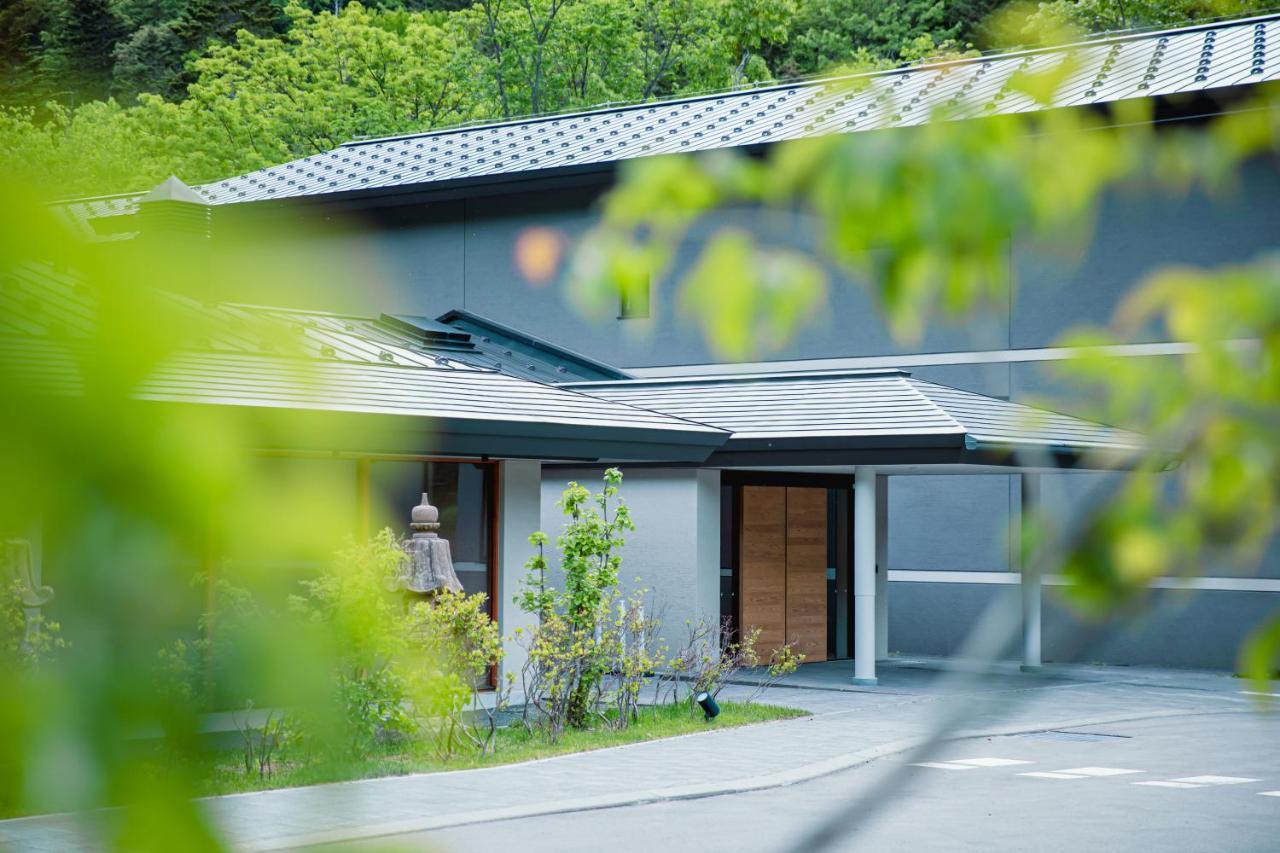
1200,629
460,254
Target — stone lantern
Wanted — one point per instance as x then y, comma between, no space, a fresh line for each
430,566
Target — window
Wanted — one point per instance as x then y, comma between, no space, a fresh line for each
633,302
317,507
460,490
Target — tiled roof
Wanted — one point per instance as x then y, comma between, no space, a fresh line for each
279,358
38,300
875,408
1176,61
275,358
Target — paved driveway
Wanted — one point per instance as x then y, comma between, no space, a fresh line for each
1199,783
849,728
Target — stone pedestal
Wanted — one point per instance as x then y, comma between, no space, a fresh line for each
430,567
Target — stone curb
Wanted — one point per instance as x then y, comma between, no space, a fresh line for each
777,779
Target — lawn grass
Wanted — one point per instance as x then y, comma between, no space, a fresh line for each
226,775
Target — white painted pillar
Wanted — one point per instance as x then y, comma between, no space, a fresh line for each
707,544
864,575
882,568
520,514
1031,581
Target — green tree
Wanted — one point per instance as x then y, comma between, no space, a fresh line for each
21,23
149,60
79,46
1095,16
334,78
750,26
590,558
137,14
205,21
864,33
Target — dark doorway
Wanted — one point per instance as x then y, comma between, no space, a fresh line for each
785,546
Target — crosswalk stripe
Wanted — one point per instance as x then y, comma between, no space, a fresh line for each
1269,793
987,762
942,765
1216,780
1162,784
1105,771
1044,774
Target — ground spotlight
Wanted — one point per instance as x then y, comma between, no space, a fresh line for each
708,704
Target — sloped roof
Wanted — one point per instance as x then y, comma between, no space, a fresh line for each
519,350
1184,60
282,359
470,401
831,412
40,300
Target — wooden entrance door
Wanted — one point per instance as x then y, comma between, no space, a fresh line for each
762,586
807,571
783,568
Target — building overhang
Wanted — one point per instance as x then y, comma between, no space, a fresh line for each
877,417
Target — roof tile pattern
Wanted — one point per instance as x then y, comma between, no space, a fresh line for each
1186,60
862,405
1195,58
285,358
472,395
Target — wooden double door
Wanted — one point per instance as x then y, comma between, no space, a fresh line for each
783,568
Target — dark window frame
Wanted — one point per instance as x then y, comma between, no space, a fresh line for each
736,479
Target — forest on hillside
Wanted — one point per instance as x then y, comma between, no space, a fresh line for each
100,96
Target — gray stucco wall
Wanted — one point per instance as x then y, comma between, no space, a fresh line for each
460,253
674,551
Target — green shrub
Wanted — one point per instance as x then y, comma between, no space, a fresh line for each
458,645
569,649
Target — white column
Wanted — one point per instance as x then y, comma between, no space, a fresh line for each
520,514
707,539
882,567
1031,581
864,575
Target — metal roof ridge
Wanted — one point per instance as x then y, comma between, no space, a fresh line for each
731,378
303,359
913,385
813,81
1044,410
530,339
567,387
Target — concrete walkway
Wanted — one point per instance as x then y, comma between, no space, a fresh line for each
849,726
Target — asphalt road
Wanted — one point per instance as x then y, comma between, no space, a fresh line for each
1212,771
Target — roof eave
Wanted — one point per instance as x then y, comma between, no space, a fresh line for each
320,430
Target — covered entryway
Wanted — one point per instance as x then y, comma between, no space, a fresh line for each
785,561
858,428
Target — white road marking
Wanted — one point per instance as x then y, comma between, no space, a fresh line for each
1041,774
1269,793
942,765
1216,780
988,762
1260,693
1105,771
1168,784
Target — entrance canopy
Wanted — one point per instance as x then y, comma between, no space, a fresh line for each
879,417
